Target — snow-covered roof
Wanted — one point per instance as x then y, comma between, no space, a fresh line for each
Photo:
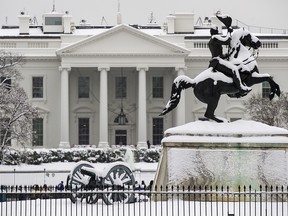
9,31
88,30
13,31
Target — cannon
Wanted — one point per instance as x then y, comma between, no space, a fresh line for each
115,176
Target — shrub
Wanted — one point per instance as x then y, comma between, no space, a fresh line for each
92,155
152,155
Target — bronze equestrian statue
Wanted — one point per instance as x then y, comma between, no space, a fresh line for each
232,74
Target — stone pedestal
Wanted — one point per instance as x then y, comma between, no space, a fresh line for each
225,154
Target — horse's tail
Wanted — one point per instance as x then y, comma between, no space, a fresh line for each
181,82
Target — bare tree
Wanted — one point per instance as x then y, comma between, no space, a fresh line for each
274,112
16,113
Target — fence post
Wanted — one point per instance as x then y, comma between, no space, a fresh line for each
44,175
14,176
247,203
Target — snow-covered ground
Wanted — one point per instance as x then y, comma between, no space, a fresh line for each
54,173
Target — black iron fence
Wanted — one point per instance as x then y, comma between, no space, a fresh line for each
179,201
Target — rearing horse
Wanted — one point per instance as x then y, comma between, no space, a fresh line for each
209,85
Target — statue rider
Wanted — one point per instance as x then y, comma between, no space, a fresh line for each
220,61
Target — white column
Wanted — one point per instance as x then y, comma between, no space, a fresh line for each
103,109
64,120
142,114
180,109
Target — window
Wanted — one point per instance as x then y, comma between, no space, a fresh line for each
37,87
83,129
53,20
157,87
157,130
38,132
83,87
121,137
265,90
120,87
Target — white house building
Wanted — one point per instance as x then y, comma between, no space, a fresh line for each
107,85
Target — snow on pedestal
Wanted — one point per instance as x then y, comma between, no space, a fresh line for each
225,154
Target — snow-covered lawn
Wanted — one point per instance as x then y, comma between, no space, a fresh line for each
56,172
175,206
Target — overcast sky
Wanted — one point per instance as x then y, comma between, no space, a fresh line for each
264,13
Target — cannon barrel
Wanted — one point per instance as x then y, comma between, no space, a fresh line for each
88,171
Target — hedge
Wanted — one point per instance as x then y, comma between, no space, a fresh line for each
92,155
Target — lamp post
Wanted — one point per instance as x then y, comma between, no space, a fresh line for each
121,118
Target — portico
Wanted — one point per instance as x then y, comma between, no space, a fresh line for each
141,56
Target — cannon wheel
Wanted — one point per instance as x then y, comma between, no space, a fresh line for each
77,181
118,178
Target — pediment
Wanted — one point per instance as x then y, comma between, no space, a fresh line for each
122,39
